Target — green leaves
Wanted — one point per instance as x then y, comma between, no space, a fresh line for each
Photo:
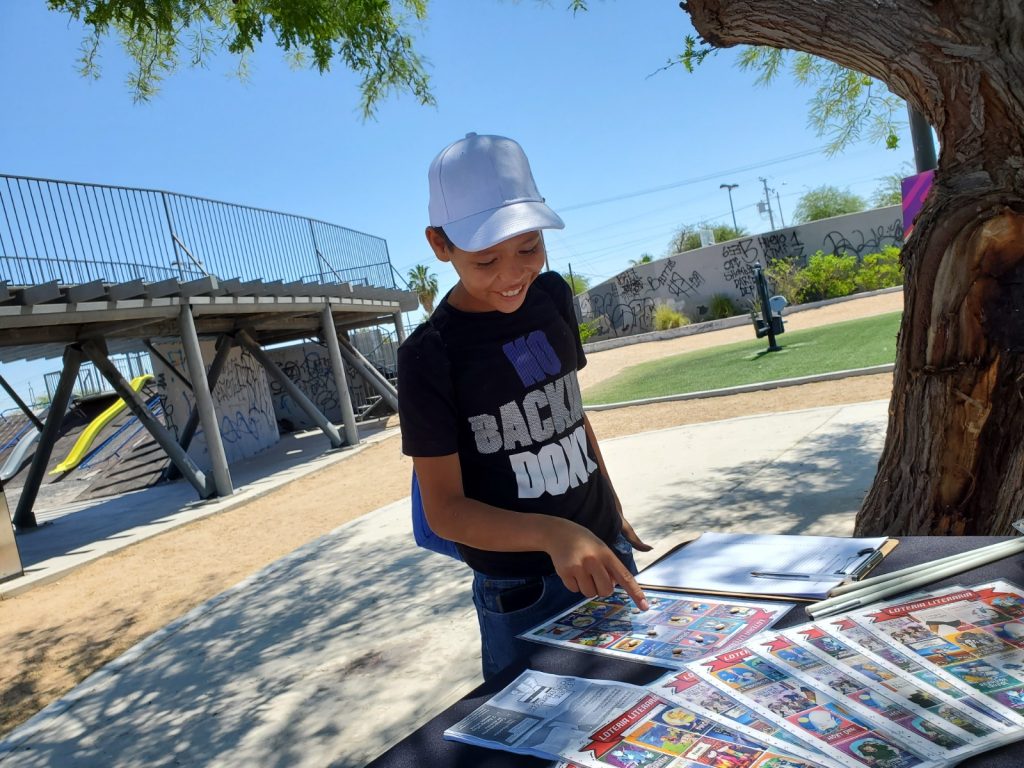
846,105
368,36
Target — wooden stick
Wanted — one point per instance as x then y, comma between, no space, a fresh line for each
855,586
937,572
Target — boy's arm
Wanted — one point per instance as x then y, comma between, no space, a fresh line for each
627,529
584,563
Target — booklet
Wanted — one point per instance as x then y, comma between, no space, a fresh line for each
973,638
600,724
675,629
766,566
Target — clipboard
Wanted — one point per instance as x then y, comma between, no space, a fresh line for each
771,566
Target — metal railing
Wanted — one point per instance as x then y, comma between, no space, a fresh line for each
91,382
75,233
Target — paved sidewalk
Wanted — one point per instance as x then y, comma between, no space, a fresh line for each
75,534
337,651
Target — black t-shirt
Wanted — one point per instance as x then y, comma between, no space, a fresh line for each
500,390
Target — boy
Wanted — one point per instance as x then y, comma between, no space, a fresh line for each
491,412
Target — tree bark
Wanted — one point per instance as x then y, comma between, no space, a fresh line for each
953,460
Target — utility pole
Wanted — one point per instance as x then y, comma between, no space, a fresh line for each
768,202
921,136
779,201
730,188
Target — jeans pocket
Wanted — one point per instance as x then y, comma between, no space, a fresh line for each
505,596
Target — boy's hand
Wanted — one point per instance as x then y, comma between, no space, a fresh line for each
586,565
633,538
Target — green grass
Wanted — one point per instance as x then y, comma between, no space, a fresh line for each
851,344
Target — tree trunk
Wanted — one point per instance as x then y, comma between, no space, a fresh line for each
953,461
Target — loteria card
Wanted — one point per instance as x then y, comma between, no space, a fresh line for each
684,687
875,693
973,637
914,682
676,628
819,719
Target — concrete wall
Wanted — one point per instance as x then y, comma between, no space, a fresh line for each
309,366
242,401
625,305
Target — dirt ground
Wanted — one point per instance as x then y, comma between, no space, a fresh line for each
56,635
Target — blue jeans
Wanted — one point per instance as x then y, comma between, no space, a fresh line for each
499,645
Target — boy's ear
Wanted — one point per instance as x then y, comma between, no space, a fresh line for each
438,244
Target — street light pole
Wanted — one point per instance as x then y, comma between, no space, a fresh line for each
729,188
768,202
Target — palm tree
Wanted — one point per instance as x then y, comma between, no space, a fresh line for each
423,283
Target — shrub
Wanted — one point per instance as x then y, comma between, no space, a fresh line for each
826,276
721,306
784,279
880,270
665,317
587,330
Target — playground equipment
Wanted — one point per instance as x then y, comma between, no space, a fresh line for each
21,453
769,322
91,432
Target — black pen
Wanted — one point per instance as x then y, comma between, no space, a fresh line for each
804,576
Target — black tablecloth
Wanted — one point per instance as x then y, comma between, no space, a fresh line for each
427,747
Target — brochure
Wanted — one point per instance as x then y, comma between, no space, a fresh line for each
599,724
816,717
676,628
971,637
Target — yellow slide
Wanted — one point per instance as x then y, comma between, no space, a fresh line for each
85,440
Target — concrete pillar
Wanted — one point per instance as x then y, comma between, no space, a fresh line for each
290,387
24,518
96,351
21,404
372,376
204,402
330,337
399,327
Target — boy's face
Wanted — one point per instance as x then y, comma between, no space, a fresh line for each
495,279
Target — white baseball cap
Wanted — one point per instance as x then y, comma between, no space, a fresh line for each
482,192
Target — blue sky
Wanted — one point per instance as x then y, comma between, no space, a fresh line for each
625,153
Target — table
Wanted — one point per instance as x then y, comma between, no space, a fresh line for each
427,747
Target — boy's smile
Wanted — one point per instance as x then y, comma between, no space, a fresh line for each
495,279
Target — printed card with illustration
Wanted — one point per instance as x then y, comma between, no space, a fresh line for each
601,724
821,720
903,674
973,637
675,629
685,688
874,693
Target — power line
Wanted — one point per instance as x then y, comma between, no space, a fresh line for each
695,180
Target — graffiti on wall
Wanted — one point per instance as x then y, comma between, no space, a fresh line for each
241,400
246,409
862,243
309,367
626,304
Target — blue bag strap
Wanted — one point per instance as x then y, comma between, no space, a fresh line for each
421,530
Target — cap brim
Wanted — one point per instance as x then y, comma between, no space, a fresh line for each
482,230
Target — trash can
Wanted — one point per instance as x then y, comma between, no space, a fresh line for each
10,559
